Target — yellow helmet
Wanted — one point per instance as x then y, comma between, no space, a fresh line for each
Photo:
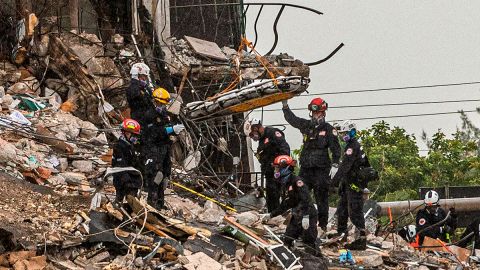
161,95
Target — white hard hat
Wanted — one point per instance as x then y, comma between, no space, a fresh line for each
139,69
431,198
347,125
247,126
411,232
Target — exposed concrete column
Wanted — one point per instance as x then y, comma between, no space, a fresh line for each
73,12
161,23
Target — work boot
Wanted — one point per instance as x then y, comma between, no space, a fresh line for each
360,243
313,251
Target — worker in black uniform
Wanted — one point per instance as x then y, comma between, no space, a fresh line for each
304,215
316,167
139,92
139,98
471,234
124,155
271,143
157,146
350,187
433,221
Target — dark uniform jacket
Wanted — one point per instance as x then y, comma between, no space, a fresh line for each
124,155
425,219
154,132
298,199
139,100
271,145
317,139
353,158
473,229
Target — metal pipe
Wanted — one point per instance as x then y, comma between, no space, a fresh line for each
460,204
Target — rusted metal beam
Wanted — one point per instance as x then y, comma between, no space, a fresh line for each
460,204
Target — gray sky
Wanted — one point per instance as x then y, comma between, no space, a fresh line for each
387,44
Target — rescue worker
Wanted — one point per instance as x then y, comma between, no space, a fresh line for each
432,221
409,234
271,143
471,234
124,155
351,188
316,167
304,215
139,93
157,145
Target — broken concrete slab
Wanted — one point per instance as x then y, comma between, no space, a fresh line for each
212,213
84,166
206,48
247,218
75,178
367,258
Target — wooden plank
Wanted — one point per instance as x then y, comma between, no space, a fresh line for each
239,226
206,48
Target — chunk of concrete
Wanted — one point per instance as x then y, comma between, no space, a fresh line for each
247,218
200,261
9,151
367,258
74,178
84,166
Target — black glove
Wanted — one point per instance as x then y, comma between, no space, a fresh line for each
453,212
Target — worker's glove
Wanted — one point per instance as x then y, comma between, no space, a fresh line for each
453,212
158,178
175,129
285,103
333,170
306,222
178,128
165,182
265,217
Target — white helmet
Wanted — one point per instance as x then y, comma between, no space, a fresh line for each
139,69
347,125
411,232
247,126
431,198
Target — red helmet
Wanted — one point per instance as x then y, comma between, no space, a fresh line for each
284,161
318,104
130,125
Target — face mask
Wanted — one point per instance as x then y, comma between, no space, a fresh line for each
350,135
143,83
318,120
282,174
255,136
133,139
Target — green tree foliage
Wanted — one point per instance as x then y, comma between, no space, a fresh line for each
394,153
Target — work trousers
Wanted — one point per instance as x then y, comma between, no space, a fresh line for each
350,205
274,191
318,180
295,229
157,159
